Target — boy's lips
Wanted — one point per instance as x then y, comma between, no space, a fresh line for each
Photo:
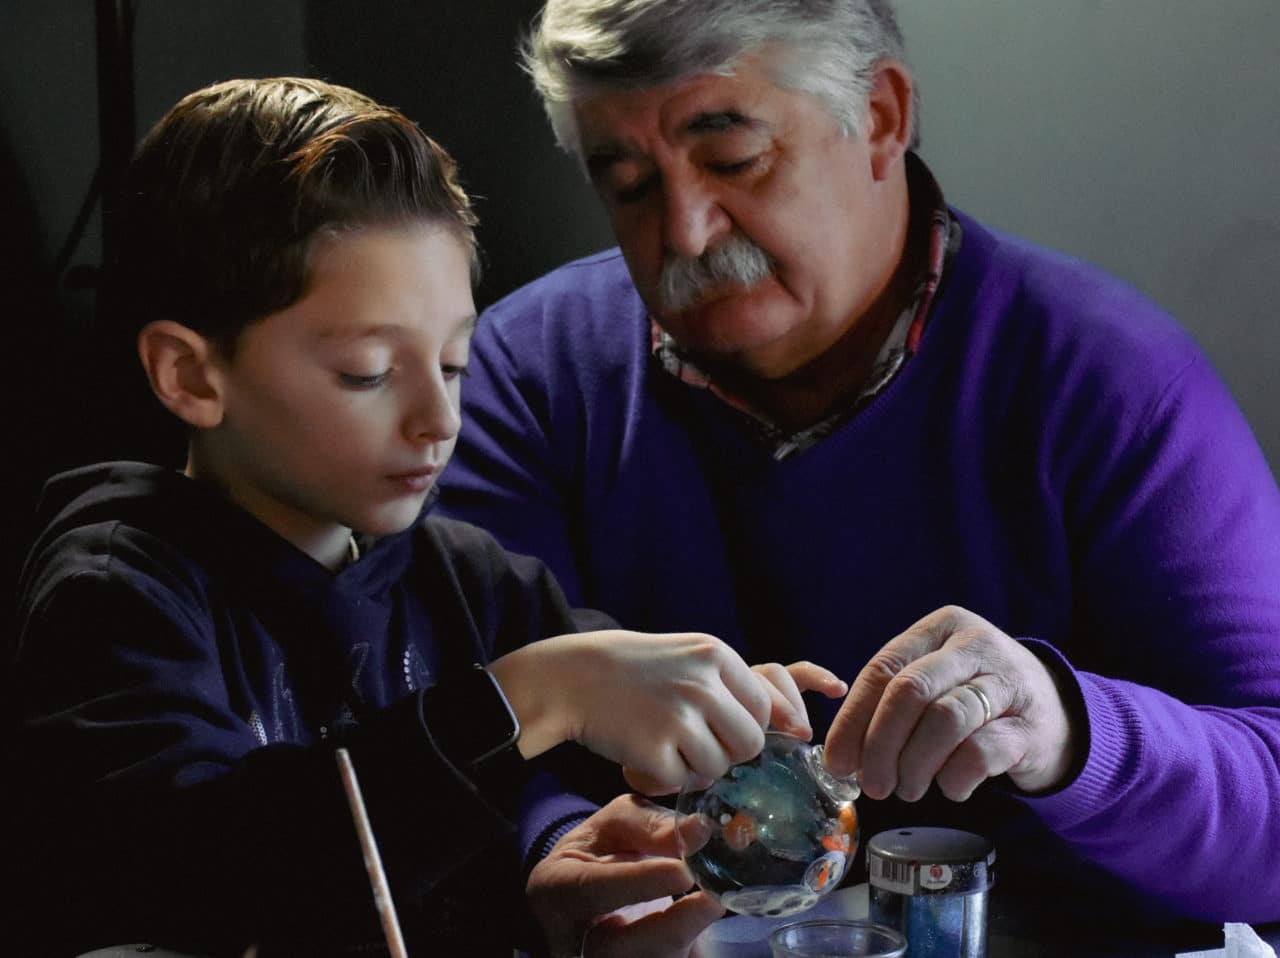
415,480
414,473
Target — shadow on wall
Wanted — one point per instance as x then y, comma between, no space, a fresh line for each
69,403
74,397
453,68
45,362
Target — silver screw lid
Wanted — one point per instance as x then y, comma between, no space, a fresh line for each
931,861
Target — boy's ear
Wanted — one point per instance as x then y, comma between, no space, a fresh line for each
180,366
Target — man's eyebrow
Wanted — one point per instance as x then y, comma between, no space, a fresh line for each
600,158
717,121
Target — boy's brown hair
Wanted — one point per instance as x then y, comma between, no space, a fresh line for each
230,190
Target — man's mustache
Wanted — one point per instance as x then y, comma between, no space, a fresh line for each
686,279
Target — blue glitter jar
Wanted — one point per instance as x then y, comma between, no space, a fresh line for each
932,884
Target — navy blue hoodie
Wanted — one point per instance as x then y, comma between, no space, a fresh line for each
183,678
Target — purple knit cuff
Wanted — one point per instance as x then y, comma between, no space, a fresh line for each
547,812
1100,765
1073,700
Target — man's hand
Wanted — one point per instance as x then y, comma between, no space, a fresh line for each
625,854
953,699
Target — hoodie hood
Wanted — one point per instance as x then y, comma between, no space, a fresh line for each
188,534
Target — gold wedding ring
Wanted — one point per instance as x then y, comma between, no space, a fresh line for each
982,697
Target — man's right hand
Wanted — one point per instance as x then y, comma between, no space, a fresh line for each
624,855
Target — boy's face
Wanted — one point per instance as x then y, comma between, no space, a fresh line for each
340,411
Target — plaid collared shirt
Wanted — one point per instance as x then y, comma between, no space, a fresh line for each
944,238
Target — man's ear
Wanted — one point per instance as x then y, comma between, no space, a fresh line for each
890,116
180,365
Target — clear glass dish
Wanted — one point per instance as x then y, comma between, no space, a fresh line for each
781,830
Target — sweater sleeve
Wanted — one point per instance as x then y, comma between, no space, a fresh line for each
523,603
1178,563
150,810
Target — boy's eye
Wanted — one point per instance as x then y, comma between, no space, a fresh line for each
453,371
354,381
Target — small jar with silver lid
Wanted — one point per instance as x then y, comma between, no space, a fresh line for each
932,884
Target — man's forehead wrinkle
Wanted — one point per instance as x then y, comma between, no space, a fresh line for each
608,121
702,121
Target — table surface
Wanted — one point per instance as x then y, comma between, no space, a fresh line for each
742,936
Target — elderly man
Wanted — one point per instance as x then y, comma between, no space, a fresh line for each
810,408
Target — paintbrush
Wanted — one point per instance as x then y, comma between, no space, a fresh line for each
372,860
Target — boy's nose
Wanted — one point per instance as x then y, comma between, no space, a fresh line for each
435,417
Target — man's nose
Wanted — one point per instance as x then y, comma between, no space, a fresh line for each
693,219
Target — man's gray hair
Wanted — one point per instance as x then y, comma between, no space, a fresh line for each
829,48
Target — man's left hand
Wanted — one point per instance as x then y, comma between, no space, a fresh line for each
951,699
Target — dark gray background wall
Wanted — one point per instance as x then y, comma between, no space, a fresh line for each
1143,135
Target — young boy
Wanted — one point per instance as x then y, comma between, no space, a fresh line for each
195,645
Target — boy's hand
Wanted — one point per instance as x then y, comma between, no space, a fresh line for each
784,685
675,710
625,854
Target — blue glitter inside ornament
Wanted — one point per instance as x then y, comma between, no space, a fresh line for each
783,830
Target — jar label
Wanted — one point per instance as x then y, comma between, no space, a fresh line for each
934,877
890,875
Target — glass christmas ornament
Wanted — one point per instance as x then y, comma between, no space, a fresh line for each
782,830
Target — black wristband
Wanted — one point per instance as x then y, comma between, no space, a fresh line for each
473,724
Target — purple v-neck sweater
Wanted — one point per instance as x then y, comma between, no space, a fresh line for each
1058,458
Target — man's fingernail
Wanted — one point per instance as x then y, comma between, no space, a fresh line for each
836,766
874,789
